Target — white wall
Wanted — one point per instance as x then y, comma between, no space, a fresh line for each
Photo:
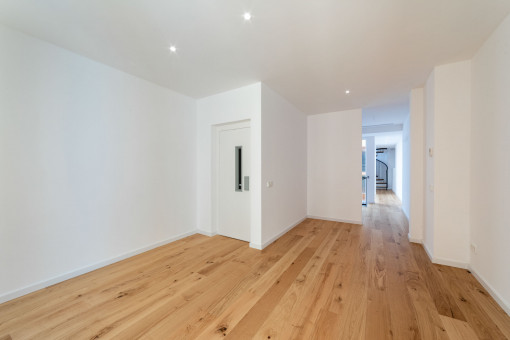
283,163
417,165
448,132
397,179
428,235
490,165
232,106
95,164
334,165
452,126
406,167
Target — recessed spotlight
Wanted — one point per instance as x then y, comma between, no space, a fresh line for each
173,49
347,91
247,16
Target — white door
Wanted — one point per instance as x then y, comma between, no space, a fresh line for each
234,184
370,154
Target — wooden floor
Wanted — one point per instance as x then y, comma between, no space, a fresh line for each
322,280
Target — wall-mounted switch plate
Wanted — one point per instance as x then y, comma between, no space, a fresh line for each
474,248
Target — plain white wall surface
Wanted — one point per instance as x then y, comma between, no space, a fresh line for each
397,182
283,163
428,234
490,165
95,163
334,165
232,106
448,110
452,125
406,167
417,159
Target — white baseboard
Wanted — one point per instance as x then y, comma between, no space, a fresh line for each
206,233
277,236
280,234
333,219
428,252
451,263
505,305
445,262
499,299
256,246
414,240
69,275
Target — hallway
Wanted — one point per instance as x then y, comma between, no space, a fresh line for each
321,280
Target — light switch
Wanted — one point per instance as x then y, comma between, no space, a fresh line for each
269,184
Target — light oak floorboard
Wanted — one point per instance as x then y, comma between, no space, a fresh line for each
457,329
321,280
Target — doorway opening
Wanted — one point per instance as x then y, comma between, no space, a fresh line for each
384,164
389,164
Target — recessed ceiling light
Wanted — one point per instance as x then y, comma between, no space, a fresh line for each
173,49
247,16
347,91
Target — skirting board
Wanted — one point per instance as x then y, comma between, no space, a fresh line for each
206,233
414,240
501,302
277,236
445,262
333,219
69,275
256,246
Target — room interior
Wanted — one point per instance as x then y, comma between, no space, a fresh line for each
192,169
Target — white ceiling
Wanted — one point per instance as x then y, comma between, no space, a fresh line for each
308,51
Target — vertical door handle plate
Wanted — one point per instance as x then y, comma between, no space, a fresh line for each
238,168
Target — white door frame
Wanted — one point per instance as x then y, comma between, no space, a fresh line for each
215,166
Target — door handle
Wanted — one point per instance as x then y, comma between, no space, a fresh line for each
238,168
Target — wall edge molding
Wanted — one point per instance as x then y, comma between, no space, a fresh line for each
333,219
414,240
86,269
495,295
451,263
445,262
256,246
206,233
277,236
